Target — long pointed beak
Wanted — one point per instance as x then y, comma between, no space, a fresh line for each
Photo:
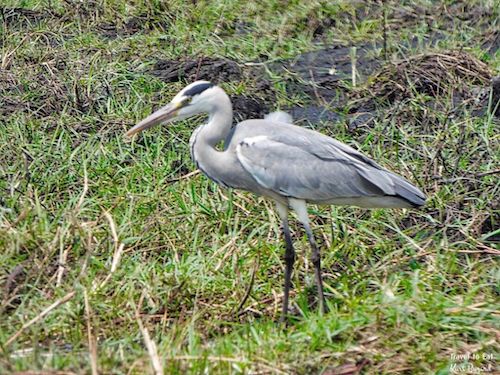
163,114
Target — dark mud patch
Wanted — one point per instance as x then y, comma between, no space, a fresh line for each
491,41
203,68
109,30
247,107
326,75
495,96
325,80
144,23
318,24
489,228
314,114
485,224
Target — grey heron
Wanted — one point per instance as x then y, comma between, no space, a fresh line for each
290,164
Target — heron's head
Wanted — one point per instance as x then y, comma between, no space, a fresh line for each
197,97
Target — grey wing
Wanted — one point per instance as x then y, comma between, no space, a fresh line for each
310,166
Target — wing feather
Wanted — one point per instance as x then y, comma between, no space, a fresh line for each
311,166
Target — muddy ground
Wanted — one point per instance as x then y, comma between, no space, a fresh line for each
341,79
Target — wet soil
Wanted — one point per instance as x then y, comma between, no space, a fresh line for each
324,80
321,77
203,68
314,114
321,74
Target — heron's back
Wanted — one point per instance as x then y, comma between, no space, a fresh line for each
296,162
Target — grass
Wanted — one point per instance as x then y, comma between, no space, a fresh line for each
133,239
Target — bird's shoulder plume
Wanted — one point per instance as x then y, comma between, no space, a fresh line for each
279,116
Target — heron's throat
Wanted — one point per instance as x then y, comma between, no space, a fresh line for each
220,120
204,140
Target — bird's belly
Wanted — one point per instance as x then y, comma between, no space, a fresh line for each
367,202
233,177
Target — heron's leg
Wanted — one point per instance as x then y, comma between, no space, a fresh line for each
289,257
299,206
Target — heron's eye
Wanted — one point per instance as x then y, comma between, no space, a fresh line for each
186,101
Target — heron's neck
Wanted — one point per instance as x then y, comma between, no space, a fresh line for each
205,139
219,124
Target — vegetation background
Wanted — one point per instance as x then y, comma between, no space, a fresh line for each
117,258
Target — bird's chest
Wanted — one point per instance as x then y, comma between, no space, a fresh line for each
203,157
192,141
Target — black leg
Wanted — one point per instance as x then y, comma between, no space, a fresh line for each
316,260
289,260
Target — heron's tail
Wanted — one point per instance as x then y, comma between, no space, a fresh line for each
407,191
279,116
384,182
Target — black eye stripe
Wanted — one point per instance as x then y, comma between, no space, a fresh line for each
198,89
